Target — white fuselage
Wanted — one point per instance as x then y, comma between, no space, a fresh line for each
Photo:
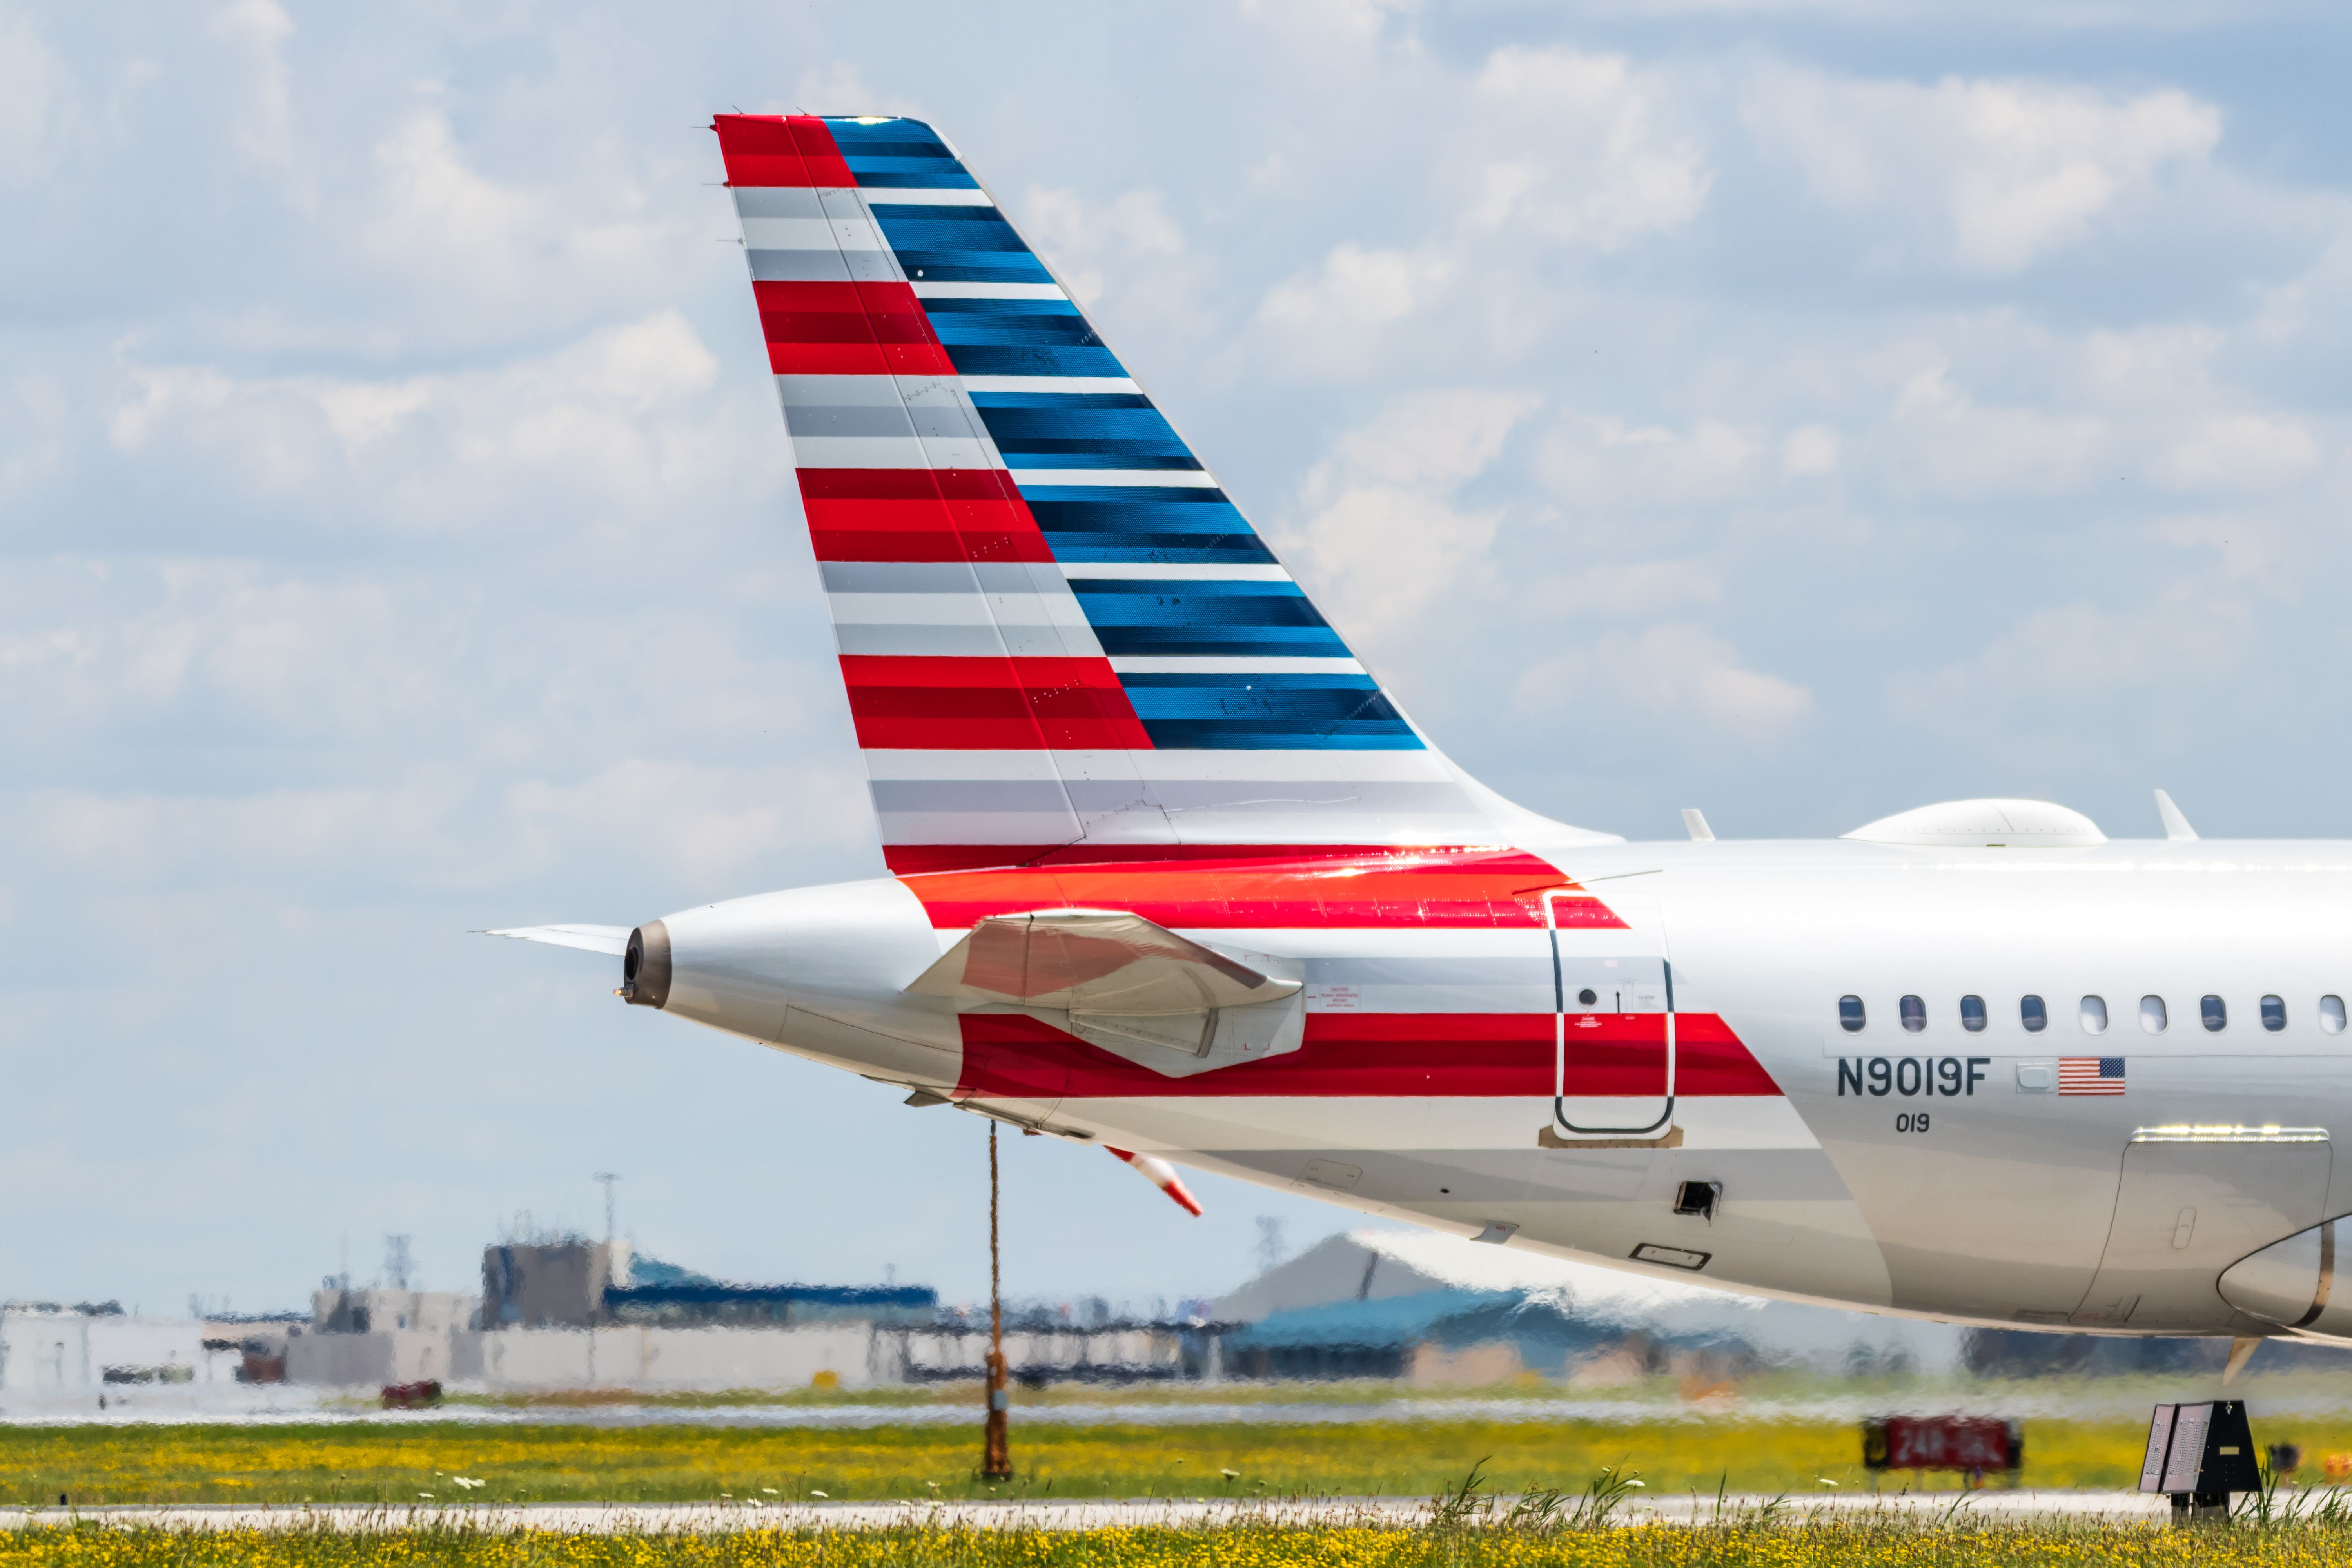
1943,1169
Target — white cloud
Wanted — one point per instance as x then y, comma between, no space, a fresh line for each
1593,460
430,829
1675,672
2240,452
1810,450
1329,320
40,111
619,416
1384,535
479,257
1938,439
1325,22
1987,175
2054,668
1575,151
438,210
265,131
1131,239
840,88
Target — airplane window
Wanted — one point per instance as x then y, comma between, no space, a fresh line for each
2273,1013
1972,1014
2215,1012
2094,1015
2151,1015
1849,1018
2331,1013
2033,1015
1914,1013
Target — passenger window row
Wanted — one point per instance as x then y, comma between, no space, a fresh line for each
2033,1014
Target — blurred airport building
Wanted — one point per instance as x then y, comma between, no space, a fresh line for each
1431,1309
48,1347
558,1313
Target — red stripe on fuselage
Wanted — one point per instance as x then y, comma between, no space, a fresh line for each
1498,889
1453,1056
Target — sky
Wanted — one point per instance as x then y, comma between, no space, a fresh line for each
1799,411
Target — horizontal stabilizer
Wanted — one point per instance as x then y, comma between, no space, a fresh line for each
613,940
1094,962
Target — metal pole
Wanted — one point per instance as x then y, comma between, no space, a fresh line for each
608,1178
996,1461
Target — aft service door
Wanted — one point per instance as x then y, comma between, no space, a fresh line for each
2194,1200
1612,1023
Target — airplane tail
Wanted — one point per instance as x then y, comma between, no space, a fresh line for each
1061,639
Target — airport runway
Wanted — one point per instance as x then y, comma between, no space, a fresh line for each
614,1518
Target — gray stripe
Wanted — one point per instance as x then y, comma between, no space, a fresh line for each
1471,972
777,201
1497,1175
1533,997
931,642
838,392
1021,639
967,796
833,420
950,423
873,267
1263,796
944,391
1022,577
945,577
1101,798
896,577
1057,826
859,452
798,267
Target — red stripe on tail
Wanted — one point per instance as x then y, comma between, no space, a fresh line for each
990,704
777,150
759,150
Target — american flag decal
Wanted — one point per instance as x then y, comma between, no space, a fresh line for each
2090,1075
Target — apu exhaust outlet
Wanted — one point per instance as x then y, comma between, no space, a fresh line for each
645,968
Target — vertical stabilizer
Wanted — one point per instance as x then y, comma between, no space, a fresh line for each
1060,636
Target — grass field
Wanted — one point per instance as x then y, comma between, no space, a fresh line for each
436,1461
1865,1544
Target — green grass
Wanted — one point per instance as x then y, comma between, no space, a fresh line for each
401,1462
1867,1543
